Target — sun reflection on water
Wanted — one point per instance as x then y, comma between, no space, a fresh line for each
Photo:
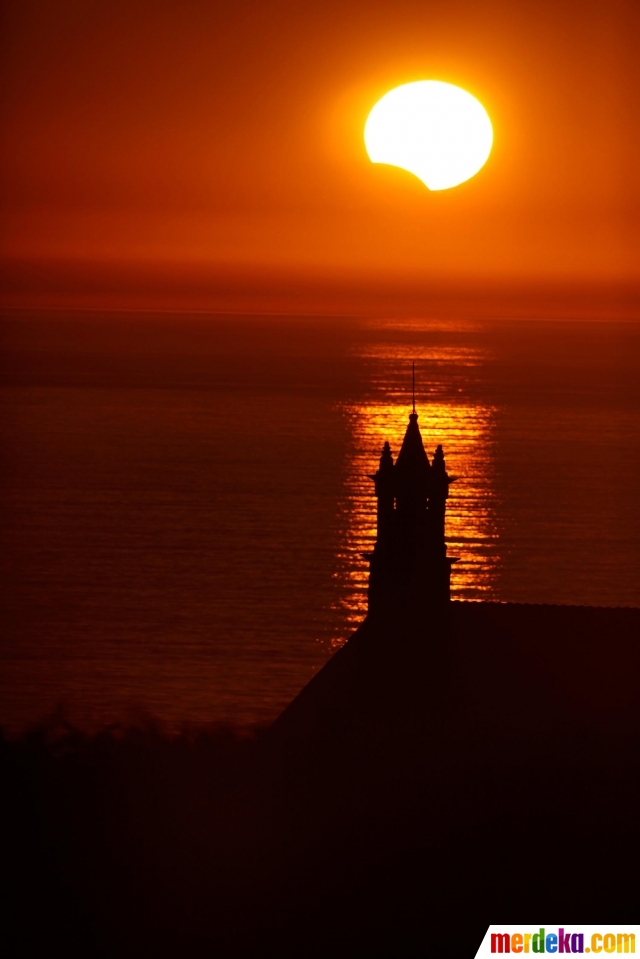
465,431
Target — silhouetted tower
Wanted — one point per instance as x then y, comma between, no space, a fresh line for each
409,567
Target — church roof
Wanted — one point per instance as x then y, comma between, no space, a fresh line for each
412,455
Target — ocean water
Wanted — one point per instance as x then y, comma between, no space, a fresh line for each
186,498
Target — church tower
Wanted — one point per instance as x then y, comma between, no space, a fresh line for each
409,568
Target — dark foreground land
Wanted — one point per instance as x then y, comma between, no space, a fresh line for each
432,778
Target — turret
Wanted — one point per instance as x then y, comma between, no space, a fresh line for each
385,493
438,494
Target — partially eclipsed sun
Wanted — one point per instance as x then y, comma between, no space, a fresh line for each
434,130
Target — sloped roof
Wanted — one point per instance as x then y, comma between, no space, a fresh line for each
412,455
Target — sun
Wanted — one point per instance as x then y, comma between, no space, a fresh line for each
435,130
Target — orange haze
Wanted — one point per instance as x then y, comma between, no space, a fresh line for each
222,143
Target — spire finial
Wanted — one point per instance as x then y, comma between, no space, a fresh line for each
413,383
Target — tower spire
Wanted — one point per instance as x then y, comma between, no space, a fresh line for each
413,383
410,569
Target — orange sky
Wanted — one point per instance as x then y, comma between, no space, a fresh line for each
228,138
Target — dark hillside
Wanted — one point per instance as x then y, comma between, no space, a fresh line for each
425,782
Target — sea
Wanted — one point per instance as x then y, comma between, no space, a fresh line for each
187,497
